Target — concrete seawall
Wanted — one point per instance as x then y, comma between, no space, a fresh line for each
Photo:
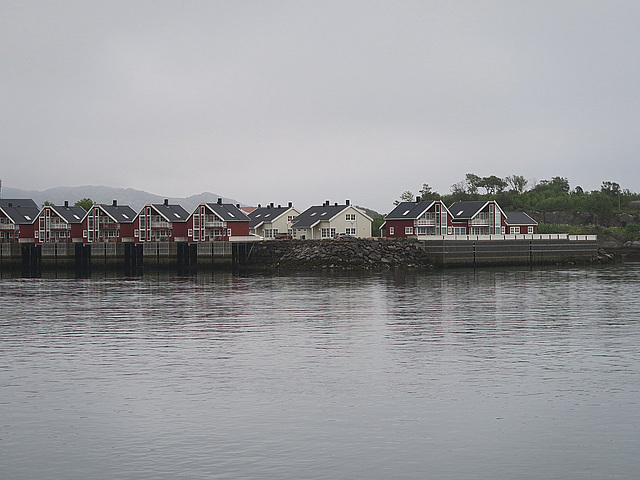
354,253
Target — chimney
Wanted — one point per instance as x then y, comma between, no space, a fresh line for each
115,203
219,201
326,204
166,202
271,204
66,204
237,205
10,204
290,204
348,202
259,206
279,206
335,204
417,199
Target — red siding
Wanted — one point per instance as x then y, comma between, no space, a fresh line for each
398,228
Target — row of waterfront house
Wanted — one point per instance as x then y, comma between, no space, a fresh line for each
22,221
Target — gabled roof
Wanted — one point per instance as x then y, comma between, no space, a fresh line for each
17,202
228,212
322,213
519,218
70,214
468,210
21,215
172,213
119,213
266,214
411,210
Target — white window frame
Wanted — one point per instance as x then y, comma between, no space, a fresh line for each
408,230
530,230
391,230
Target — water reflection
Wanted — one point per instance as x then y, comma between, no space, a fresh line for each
498,373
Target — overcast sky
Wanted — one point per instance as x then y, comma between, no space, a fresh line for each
277,101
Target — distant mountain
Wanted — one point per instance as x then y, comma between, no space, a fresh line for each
136,199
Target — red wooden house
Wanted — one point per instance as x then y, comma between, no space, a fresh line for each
108,223
478,218
519,223
217,221
17,220
59,224
418,219
161,222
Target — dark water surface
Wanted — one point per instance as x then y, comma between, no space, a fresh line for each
487,374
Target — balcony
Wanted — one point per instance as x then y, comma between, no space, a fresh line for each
60,226
480,222
166,225
216,224
109,226
426,222
7,226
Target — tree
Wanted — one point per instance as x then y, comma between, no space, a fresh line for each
517,182
473,182
427,193
492,184
85,203
406,196
48,203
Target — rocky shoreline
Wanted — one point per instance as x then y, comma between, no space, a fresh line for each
354,253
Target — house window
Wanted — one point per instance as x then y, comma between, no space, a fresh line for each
328,232
449,230
514,230
290,218
350,231
350,217
391,230
408,230
529,229
136,232
502,230
459,231
228,231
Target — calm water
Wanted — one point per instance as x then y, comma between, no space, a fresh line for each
488,374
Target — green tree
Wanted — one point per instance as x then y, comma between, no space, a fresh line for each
48,203
427,193
472,182
517,183
492,184
378,220
406,196
85,203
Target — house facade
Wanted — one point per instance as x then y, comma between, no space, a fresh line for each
18,220
59,224
519,223
326,221
477,218
161,222
272,220
418,219
217,222
109,223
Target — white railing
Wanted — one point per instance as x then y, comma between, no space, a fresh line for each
480,222
60,226
7,226
161,224
530,236
426,222
215,224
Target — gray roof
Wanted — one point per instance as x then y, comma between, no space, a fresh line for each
228,212
21,215
173,213
265,214
465,210
519,218
70,214
318,213
120,213
409,210
17,202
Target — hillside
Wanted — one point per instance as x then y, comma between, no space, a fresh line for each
136,199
